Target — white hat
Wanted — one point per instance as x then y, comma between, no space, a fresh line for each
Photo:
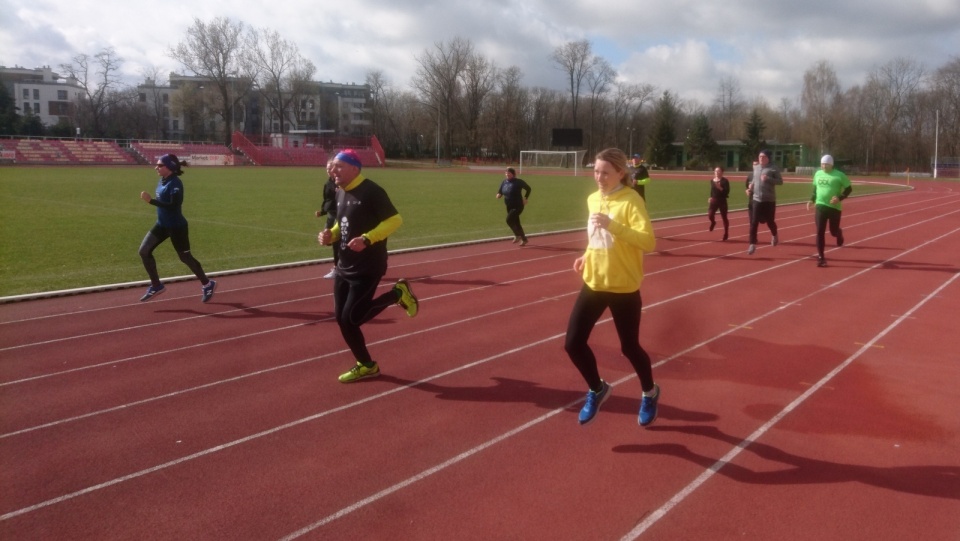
827,159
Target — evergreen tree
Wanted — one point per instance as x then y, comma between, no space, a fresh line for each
702,148
660,149
754,142
9,119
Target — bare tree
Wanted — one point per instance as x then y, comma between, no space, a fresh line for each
506,118
820,100
99,78
728,108
282,73
152,101
215,51
896,84
599,80
438,78
478,80
946,89
576,60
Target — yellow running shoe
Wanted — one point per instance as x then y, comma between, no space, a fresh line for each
359,372
407,300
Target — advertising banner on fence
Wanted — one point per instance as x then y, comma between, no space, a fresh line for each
211,159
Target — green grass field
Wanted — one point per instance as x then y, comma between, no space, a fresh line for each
71,227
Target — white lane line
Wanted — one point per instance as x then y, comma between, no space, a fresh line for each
680,496
434,469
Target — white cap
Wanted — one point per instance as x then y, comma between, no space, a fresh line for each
827,159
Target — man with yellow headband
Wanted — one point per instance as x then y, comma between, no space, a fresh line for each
365,218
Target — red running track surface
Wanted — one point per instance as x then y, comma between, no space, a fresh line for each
798,402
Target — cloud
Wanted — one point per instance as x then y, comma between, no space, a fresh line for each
685,46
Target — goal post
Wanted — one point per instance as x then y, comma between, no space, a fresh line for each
552,159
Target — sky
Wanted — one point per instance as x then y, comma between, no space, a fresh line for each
684,46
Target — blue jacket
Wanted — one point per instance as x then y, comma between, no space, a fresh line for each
169,201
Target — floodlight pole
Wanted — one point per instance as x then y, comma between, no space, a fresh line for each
936,144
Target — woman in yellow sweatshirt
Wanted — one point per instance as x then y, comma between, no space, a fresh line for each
619,232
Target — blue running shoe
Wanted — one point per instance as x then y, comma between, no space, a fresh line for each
208,290
152,292
594,400
648,408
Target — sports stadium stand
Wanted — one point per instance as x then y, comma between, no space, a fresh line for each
150,151
65,152
372,156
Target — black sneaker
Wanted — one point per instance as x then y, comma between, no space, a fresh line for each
840,239
208,290
821,262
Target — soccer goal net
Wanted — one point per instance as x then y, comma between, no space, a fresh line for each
552,159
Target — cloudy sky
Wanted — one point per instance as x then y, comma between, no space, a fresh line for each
686,46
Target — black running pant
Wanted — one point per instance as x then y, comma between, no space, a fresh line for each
513,220
826,215
763,212
181,243
354,305
625,309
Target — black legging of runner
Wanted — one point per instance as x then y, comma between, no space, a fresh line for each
181,243
721,205
354,305
763,211
822,216
513,220
625,309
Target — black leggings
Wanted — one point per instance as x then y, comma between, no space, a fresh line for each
513,220
826,215
181,243
763,212
625,309
721,205
354,305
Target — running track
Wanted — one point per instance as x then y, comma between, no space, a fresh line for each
798,402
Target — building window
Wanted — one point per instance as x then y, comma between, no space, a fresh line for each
36,108
62,95
176,124
166,98
36,93
26,93
143,97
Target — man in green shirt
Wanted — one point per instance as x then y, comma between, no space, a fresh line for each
830,187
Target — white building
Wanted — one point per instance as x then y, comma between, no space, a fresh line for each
42,92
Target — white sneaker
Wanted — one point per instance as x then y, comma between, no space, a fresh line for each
331,274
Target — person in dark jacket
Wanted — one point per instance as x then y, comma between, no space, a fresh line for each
365,218
515,193
170,224
329,209
719,192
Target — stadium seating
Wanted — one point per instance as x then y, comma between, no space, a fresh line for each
98,152
69,151
150,151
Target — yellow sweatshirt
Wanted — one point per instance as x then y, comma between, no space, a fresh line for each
613,261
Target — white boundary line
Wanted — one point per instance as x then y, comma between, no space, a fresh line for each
461,456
